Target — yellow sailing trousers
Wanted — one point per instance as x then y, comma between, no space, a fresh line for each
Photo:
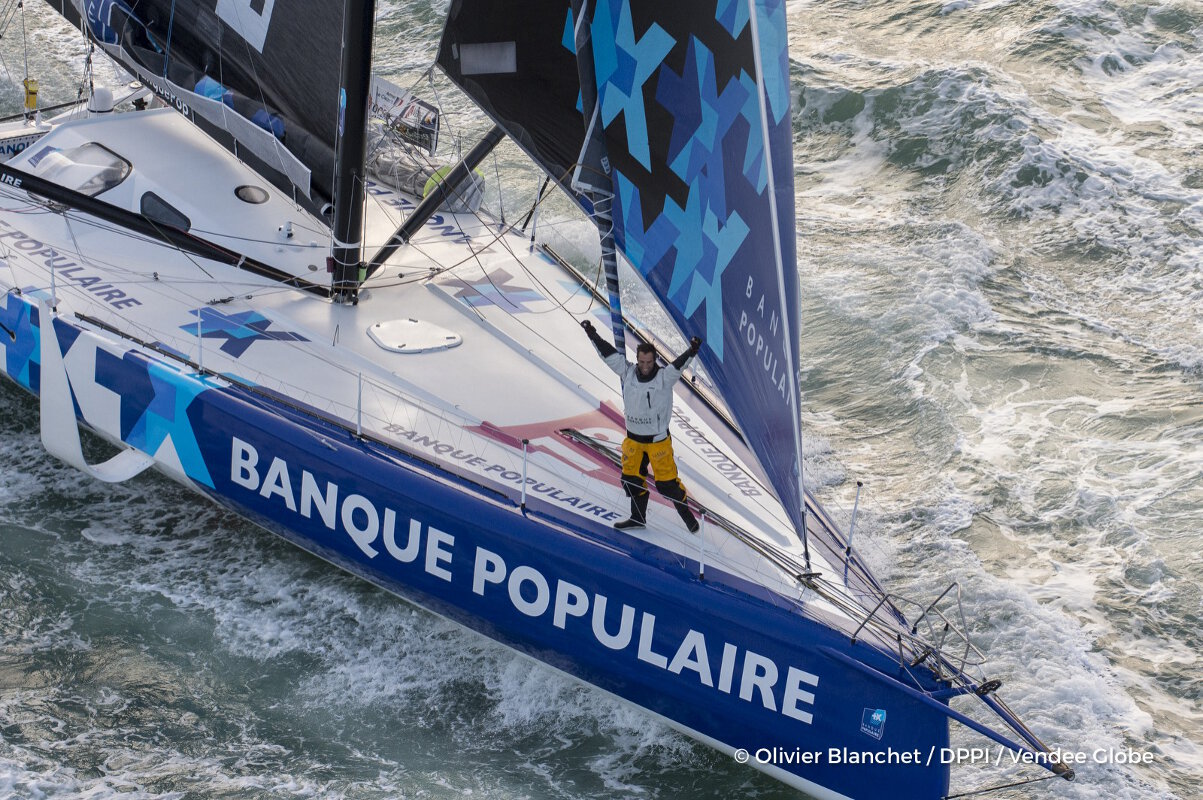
658,454
636,456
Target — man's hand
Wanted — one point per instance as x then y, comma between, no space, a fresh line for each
587,325
695,344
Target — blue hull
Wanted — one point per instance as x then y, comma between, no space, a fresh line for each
720,658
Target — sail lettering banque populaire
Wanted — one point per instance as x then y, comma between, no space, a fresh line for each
693,104
261,78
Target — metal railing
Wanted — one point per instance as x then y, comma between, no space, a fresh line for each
945,649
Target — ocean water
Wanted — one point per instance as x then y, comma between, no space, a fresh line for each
1000,237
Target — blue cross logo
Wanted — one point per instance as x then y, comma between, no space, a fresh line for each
496,290
240,331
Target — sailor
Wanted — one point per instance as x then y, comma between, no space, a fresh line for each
647,397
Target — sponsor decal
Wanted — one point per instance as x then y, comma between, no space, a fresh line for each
166,92
250,19
99,14
490,470
873,722
37,157
239,330
65,268
497,289
437,223
606,424
599,620
744,483
10,147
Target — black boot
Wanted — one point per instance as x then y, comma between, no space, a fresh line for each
691,522
639,497
674,491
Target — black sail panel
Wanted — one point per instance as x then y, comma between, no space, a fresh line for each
261,77
516,60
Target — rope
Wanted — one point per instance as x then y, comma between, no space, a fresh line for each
1000,787
7,13
167,52
24,41
500,189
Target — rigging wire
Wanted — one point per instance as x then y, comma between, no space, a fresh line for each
500,191
438,100
24,38
7,13
1001,787
167,49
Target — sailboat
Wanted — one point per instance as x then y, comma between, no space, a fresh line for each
203,286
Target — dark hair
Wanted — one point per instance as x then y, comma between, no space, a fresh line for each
644,347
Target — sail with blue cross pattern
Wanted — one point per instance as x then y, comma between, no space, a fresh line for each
690,102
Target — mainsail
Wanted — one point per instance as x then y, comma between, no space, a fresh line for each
692,107
517,62
234,67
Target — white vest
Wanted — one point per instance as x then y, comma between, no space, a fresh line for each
648,405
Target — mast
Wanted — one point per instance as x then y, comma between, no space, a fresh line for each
347,226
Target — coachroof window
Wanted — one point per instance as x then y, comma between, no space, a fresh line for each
89,169
156,209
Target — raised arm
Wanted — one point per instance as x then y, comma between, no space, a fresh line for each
603,347
679,362
615,360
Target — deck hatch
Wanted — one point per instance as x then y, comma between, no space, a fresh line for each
413,336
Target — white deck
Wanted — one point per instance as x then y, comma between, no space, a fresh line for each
524,365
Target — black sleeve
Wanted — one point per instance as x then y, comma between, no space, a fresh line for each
680,361
605,348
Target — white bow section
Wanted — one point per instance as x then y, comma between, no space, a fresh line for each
60,432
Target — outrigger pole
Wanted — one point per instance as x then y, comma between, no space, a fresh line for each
445,188
13,178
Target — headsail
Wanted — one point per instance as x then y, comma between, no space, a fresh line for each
235,67
693,101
